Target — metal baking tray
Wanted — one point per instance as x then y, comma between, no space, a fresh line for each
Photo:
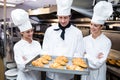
46,67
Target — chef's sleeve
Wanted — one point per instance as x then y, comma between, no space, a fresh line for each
94,62
79,46
18,59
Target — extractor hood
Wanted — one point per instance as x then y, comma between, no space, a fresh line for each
44,10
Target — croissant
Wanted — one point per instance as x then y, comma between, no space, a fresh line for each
79,62
56,65
47,57
60,62
63,58
37,64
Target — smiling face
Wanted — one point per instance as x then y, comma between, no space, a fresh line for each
64,20
95,29
27,35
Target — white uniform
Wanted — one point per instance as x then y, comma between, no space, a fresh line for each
29,50
54,45
93,47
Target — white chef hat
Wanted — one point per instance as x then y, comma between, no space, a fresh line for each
102,11
21,19
64,7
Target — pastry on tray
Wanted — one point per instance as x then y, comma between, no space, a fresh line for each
79,62
63,58
37,64
44,61
74,67
47,57
61,62
70,67
41,61
56,66
79,68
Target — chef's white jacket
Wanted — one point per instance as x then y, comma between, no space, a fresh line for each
29,51
54,45
93,47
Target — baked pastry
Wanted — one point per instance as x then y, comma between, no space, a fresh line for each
79,68
38,60
118,64
118,61
79,62
56,66
47,57
70,67
74,67
111,61
60,62
63,58
37,64
77,59
44,61
33,63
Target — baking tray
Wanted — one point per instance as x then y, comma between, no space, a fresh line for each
46,67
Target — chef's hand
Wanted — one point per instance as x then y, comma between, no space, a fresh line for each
100,55
24,58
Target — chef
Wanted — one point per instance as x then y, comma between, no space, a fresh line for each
27,48
97,45
63,39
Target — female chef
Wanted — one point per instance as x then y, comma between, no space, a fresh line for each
97,45
27,48
63,39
